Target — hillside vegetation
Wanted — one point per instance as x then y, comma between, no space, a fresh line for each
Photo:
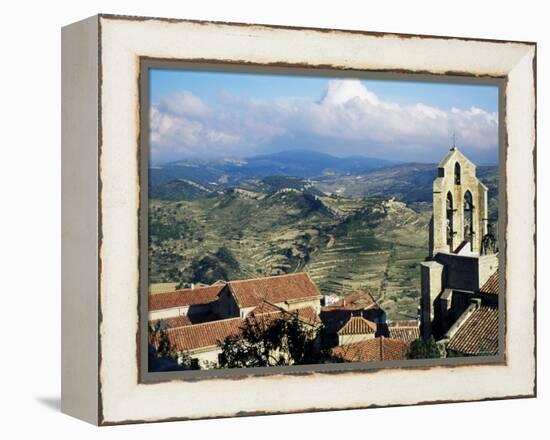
344,244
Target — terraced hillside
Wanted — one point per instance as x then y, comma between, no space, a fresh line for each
345,244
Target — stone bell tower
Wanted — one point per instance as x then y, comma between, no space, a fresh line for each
462,255
460,212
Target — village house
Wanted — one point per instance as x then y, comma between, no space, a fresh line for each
234,299
196,304
200,342
460,279
356,304
196,320
357,329
372,350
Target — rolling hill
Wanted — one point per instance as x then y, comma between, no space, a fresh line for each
345,244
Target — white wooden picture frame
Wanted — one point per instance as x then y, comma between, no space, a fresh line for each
102,380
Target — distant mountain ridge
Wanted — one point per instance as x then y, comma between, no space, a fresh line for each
299,163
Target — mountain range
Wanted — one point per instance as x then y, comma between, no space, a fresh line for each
299,163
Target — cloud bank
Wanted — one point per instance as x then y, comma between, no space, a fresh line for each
348,120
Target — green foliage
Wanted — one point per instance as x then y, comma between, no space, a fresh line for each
424,349
225,256
169,230
211,268
181,189
267,342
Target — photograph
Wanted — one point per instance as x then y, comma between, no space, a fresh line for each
303,219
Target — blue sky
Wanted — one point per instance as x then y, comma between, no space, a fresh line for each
219,114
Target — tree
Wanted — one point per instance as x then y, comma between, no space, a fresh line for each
267,341
424,349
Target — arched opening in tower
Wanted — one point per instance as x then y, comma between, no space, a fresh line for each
468,217
457,173
450,230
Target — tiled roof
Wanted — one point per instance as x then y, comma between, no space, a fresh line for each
249,293
360,300
203,335
406,331
185,297
371,350
491,285
178,321
208,334
305,314
265,307
478,335
357,325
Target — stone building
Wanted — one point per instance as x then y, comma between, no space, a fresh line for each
459,206
463,256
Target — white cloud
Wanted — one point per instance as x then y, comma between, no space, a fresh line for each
349,119
341,92
184,103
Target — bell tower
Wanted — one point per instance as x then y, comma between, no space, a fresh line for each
460,212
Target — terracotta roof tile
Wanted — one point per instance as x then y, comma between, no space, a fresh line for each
249,293
359,300
406,331
185,297
265,307
178,321
491,285
305,314
357,325
203,335
371,350
478,335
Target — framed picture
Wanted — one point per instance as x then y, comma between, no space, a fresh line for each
262,219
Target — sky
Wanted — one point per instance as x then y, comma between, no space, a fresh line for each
208,115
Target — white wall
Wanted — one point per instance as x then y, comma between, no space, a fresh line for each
30,220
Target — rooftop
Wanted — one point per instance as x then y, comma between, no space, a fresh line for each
203,335
491,285
178,321
406,331
359,300
276,289
358,325
371,350
478,335
306,315
185,297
